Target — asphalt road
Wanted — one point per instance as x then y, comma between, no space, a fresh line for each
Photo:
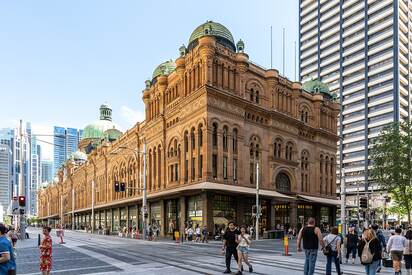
90,254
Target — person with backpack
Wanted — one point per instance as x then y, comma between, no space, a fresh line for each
332,250
396,246
311,236
352,240
370,251
381,239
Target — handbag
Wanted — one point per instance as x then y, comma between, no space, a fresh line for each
327,250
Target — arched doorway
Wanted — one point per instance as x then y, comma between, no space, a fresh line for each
283,182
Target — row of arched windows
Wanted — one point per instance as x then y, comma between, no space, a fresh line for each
278,151
327,174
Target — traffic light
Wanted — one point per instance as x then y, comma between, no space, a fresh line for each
116,186
363,202
22,201
122,187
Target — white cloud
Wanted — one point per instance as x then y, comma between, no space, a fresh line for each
130,117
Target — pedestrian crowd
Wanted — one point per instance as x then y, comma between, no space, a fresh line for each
371,248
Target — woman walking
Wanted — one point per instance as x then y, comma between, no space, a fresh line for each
46,252
370,251
332,250
407,252
351,244
244,241
396,246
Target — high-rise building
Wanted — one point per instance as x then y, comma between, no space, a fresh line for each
5,175
65,142
47,171
35,176
361,50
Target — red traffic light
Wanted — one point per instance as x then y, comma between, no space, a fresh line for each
22,201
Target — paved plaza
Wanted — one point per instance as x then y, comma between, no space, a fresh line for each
90,254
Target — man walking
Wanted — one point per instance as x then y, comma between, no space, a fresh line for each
311,237
230,244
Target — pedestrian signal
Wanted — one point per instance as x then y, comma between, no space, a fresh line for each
116,186
122,187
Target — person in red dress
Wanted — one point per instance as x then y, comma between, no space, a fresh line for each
46,252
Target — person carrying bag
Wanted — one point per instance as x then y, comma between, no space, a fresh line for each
332,250
370,251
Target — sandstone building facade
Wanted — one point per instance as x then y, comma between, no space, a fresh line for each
211,116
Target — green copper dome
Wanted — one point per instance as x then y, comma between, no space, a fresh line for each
317,87
112,134
97,129
223,35
165,68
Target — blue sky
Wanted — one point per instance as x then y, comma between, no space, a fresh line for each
59,60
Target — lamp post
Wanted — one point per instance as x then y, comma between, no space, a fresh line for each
144,189
257,201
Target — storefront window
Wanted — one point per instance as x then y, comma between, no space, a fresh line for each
304,213
282,218
194,210
224,210
123,217
172,216
116,220
155,216
133,216
325,218
109,219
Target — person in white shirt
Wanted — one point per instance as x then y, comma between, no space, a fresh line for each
244,241
396,246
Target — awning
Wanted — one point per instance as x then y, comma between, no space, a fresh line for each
319,200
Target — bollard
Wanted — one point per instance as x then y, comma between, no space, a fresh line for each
286,245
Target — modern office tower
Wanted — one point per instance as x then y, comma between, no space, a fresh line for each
35,177
47,171
5,176
361,50
65,142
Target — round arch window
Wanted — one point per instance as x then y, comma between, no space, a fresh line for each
283,182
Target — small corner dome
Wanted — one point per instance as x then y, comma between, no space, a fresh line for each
165,68
112,134
222,34
316,87
78,156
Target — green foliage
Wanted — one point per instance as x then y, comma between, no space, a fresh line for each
392,164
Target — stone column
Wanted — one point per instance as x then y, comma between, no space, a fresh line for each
293,208
272,214
182,216
162,218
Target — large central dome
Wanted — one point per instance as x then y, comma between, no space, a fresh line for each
223,35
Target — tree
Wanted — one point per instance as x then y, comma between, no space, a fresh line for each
392,164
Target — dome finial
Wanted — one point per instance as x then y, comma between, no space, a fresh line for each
105,112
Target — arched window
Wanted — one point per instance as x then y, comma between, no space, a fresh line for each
234,141
214,135
257,97
304,114
225,138
200,137
304,169
192,138
252,95
186,142
289,151
277,148
283,182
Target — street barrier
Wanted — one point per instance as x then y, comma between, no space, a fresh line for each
286,245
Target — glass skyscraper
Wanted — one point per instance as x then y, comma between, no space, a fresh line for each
362,50
65,142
